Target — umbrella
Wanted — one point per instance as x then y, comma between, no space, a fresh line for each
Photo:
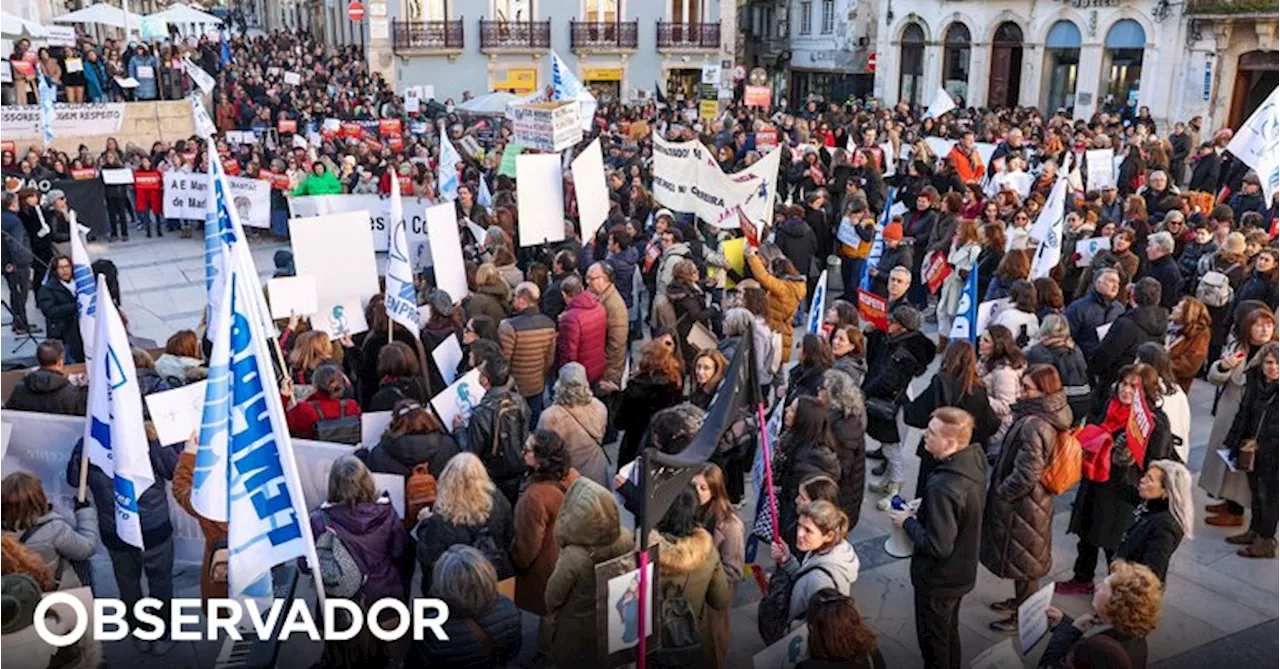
14,26
100,13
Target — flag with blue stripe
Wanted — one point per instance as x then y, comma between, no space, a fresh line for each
224,55
877,245
86,288
115,439
402,296
818,305
485,196
47,94
450,159
565,85
209,477
966,322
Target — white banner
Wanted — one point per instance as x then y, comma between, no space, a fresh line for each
540,198
379,208
590,190
686,178
186,197
1098,165
68,120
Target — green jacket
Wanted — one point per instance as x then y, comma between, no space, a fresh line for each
319,184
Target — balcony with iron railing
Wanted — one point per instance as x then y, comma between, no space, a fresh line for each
611,36
1230,7
688,36
427,36
515,36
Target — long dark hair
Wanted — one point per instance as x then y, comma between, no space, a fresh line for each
811,424
1004,347
960,360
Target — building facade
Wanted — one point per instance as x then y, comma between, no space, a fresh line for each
619,48
831,41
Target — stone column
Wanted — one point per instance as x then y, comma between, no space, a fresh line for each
380,54
1089,79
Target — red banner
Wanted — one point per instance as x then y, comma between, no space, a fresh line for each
874,309
84,173
1141,423
749,229
766,139
147,180
286,125
352,130
231,166
389,127
395,142
280,181
406,184
935,271
23,68
757,96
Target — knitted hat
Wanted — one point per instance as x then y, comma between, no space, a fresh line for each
19,595
893,232
907,316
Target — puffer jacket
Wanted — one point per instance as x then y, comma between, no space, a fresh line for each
588,533
57,541
528,340
376,538
1086,314
581,335
839,570
47,391
1073,371
501,624
799,243
492,300
691,565
785,296
399,454
849,436
624,271
617,335
153,503
1131,330
180,370
1002,383
1017,525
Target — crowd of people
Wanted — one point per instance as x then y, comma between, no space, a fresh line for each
588,343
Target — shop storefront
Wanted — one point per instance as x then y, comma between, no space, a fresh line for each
605,82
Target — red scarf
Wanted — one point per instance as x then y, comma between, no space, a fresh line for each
1117,420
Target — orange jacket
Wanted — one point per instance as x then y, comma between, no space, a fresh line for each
969,169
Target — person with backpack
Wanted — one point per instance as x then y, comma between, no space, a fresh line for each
354,520
904,354
826,560
325,415
580,421
499,424
805,449
469,510
1017,522
415,437
59,543
1219,276
1146,322
484,627
838,636
534,552
1001,364
692,583
1055,347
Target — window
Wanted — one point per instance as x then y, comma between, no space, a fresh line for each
806,18
828,16
601,11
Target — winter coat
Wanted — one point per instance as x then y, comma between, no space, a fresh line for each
785,296
1153,538
303,416
617,335
511,275
1189,263
1073,371
1017,527
325,183
368,380
553,303
58,541
492,300
153,503
582,427
479,437
1187,351
1260,287
581,335
394,389
180,370
1257,419
947,528
798,243
1065,635
891,368
47,391
690,567
1002,383
624,271
61,315
1205,172
839,570
1131,330
792,465
945,391
1086,314
960,259
849,439
436,534
528,340
588,533
854,366
690,306
534,551
1215,477
214,532
646,394
150,382
501,624
918,225
377,540
399,454
17,245
146,89
1103,512
1242,203
1165,270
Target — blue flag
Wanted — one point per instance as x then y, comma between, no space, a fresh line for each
877,245
224,57
817,306
966,323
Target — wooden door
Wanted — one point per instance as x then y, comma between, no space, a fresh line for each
998,84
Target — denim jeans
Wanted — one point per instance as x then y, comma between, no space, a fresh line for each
157,563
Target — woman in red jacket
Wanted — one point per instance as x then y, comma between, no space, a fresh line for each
148,184
325,403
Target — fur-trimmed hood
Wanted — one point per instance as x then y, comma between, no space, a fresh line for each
683,555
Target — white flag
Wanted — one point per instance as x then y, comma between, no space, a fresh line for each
402,296
209,477
447,180
942,103
115,439
200,116
86,285
198,75
484,197
566,86
1257,144
1048,229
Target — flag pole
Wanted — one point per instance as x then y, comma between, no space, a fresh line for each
768,470
84,475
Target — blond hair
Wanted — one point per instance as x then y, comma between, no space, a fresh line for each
465,495
1136,597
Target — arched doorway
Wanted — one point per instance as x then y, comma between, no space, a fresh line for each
1062,63
1126,41
1006,66
911,69
1257,74
955,62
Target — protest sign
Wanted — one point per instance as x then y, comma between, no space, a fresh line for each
372,425
757,96
117,176
448,355
1032,621
340,318
286,125
1099,170
540,199
1086,249
686,178
186,198
935,270
446,250
78,120
60,35
176,414
391,486
415,217
508,165
785,653
546,126
291,295
459,399
337,250
590,190
874,309
999,656
292,78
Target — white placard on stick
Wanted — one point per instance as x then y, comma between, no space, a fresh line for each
446,250
459,399
291,295
590,190
337,250
540,198
447,356
343,317
1098,168
1032,621
292,78
117,177
999,656
988,310
372,425
177,413
1086,249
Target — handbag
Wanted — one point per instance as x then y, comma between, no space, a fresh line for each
879,408
1247,457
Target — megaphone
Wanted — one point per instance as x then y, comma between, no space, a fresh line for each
898,544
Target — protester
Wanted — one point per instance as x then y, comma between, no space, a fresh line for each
689,564
1188,340
483,627
1147,321
1002,364
182,363
1172,401
56,299
1256,420
957,384
838,635
213,572
469,510
717,516
498,424
1165,516
48,389
804,450
1098,307
786,289
848,420
827,560
57,542
528,339
325,405
398,378
414,437
903,355
1055,347
805,378
582,329
17,264
655,385
534,553
1128,601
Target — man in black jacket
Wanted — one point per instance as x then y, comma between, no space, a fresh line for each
947,532
1162,267
1146,321
56,299
48,390
565,264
